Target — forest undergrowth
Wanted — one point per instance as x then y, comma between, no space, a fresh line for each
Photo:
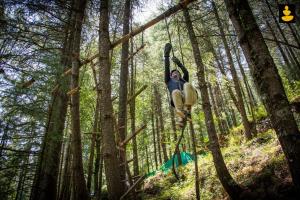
258,164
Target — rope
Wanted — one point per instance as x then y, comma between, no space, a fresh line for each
179,40
177,149
169,36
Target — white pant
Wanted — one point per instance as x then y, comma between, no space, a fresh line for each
187,98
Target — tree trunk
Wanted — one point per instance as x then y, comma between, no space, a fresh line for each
235,78
80,190
268,83
44,186
161,122
132,115
65,192
64,155
158,139
221,104
154,137
123,90
92,148
215,109
112,170
232,188
99,190
197,184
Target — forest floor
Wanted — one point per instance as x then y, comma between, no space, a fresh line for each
258,165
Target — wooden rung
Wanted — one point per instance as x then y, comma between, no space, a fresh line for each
55,89
135,177
128,161
137,93
67,72
132,55
133,186
27,84
133,135
97,133
114,98
73,91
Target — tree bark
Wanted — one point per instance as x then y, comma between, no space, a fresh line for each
268,83
158,139
197,184
65,192
123,90
99,191
215,109
93,142
80,189
112,170
44,186
132,115
154,137
223,113
161,122
232,188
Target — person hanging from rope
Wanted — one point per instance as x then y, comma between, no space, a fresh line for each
183,94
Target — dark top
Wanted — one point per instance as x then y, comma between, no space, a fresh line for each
174,84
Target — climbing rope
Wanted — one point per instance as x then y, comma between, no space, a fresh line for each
169,37
177,149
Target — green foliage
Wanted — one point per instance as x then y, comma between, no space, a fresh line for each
261,155
260,113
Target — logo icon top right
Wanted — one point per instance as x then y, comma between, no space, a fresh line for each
287,13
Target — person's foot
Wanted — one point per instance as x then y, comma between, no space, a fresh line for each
180,113
168,48
188,116
187,112
179,123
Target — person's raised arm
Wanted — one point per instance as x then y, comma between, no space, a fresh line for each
167,51
182,67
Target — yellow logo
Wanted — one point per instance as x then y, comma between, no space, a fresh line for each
286,13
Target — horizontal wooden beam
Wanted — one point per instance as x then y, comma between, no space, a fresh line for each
132,136
67,72
73,91
136,183
88,133
137,93
128,161
139,49
27,84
